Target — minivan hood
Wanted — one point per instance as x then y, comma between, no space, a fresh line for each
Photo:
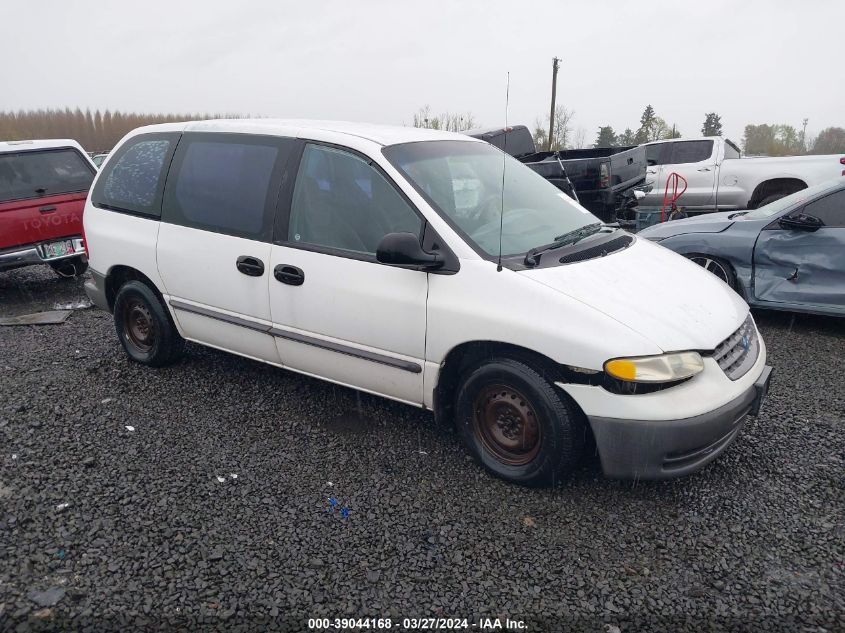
657,293
705,223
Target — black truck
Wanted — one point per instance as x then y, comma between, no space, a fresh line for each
602,179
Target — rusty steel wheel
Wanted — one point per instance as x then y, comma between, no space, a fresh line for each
516,423
144,327
506,424
138,326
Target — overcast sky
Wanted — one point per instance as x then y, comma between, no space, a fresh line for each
751,62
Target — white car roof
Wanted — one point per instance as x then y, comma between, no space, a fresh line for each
303,128
20,146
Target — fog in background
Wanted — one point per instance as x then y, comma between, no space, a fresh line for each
380,61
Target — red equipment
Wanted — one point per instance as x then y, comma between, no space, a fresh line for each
672,180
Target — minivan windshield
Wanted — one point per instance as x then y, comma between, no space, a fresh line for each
463,182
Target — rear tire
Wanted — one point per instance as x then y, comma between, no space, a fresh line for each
144,327
517,424
70,267
719,267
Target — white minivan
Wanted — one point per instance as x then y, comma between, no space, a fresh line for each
430,268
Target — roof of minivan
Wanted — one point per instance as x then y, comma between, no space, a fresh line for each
381,134
19,146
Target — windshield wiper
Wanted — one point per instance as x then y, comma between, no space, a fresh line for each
736,215
532,256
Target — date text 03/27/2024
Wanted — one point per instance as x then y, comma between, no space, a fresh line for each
416,624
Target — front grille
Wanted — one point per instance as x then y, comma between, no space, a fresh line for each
599,250
738,353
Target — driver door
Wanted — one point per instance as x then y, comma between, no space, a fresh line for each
801,265
337,313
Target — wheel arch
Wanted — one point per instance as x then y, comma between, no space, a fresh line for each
465,355
773,186
704,251
119,275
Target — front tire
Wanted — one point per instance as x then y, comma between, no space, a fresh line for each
517,424
144,327
719,267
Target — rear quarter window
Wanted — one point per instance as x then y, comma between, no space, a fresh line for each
133,180
34,174
731,150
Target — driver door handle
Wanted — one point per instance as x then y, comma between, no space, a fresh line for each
290,275
704,169
250,266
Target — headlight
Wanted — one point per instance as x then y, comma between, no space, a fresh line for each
655,369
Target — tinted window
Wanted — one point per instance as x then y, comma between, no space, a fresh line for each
43,173
225,183
341,202
134,178
830,209
653,152
691,152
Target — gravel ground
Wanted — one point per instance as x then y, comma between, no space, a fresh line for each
212,513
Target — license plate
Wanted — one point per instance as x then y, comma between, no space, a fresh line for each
58,249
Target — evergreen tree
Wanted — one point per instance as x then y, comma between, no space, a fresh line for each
647,121
712,125
626,138
606,137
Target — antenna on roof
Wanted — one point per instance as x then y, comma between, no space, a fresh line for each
504,158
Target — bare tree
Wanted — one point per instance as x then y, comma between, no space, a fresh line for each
579,139
541,134
449,121
563,128
659,130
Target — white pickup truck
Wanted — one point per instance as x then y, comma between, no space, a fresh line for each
719,179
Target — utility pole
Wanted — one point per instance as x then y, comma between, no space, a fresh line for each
804,137
555,66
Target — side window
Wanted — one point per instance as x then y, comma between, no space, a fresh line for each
830,209
340,201
654,152
133,180
691,152
226,183
731,150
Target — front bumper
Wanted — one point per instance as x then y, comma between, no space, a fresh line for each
95,288
662,449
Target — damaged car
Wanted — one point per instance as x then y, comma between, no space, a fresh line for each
787,255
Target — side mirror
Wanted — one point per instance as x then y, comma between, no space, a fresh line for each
404,250
801,222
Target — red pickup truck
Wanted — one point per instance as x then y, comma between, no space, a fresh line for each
43,186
